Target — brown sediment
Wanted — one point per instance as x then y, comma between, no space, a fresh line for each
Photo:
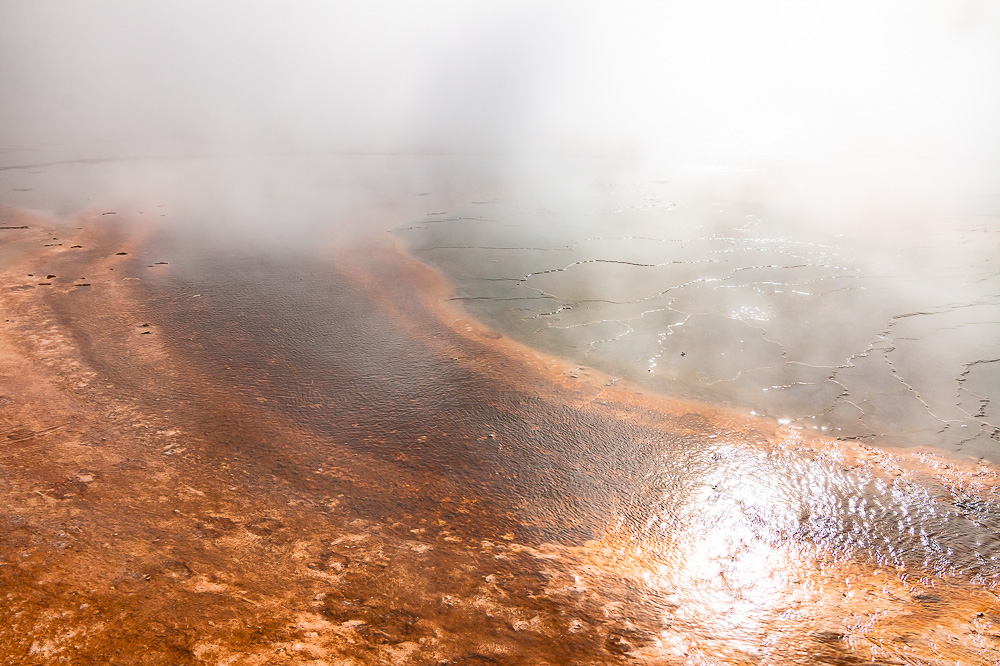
407,487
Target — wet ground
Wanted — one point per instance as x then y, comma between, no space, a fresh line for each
302,452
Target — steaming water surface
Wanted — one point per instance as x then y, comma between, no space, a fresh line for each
520,515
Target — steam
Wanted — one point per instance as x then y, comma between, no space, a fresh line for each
787,119
864,94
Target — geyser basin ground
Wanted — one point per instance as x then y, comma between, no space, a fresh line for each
217,453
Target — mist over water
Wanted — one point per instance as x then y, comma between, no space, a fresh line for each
846,154
665,83
852,144
789,209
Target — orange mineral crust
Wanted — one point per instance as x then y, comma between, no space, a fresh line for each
231,457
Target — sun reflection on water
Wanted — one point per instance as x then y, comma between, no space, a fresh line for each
732,563
724,560
757,552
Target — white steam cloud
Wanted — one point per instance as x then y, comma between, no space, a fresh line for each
656,78
863,95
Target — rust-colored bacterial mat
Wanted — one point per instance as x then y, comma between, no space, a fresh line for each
227,456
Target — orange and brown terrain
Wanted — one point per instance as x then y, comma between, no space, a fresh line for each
229,457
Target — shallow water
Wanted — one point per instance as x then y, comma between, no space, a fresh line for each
289,450
879,334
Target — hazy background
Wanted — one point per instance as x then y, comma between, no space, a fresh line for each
845,116
720,80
